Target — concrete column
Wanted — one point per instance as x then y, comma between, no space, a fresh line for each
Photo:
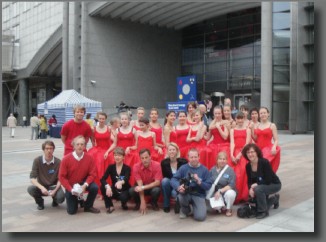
65,45
266,54
83,78
5,107
23,98
77,44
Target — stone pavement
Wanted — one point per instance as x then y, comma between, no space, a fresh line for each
19,213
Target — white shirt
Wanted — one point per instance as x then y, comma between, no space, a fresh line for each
76,156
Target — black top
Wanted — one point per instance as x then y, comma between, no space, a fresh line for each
115,177
166,168
265,175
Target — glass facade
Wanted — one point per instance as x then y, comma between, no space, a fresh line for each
281,64
224,52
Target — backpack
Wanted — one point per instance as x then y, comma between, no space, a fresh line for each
247,211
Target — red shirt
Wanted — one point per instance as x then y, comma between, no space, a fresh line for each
73,171
71,130
148,175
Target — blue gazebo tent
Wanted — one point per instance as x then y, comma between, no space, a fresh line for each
62,106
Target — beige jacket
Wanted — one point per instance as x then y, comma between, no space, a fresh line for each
11,122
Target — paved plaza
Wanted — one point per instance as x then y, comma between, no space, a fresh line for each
19,213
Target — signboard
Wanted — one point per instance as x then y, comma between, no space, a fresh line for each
176,106
186,88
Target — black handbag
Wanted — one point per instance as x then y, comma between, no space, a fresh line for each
248,210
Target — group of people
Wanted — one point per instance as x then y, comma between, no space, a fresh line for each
186,164
41,127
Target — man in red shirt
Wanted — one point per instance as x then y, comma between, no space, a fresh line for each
148,176
78,168
74,127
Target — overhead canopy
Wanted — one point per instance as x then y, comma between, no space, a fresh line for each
62,106
69,98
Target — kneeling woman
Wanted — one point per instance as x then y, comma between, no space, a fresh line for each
225,185
263,183
119,174
169,166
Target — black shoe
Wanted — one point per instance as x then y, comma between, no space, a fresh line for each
124,206
110,210
54,204
91,210
177,206
155,206
262,215
166,210
81,203
40,206
136,208
277,201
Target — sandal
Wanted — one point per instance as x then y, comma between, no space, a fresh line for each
228,212
110,210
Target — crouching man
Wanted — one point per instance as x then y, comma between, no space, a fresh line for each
44,177
191,181
77,173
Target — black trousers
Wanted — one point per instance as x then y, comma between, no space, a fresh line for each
264,202
154,193
72,200
123,196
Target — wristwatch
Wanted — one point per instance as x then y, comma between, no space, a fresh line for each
143,187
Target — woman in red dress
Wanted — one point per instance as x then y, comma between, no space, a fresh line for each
263,136
182,130
156,127
254,122
146,139
169,132
245,110
115,123
239,136
140,114
124,138
227,117
102,142
217,136
191,108
196,139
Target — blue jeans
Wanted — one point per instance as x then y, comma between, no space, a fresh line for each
168,192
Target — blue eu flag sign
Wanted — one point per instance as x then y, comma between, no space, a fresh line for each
186,88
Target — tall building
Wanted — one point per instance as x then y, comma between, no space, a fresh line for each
258,54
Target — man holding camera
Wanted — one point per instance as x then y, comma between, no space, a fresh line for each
78,168
44,177
191,181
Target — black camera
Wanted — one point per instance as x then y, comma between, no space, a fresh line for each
186,181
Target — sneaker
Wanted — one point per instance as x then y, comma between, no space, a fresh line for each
262,215
182,215
110,210
91,210
277,201
54,204
40,206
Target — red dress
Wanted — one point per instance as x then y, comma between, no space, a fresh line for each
158,137
240,137
182,141
205,153
173,136
103,143
264,142
147,142
218,144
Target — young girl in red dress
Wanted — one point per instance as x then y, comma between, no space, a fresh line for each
240,136
157,128
191,108
169,132
182,130
217,136
102,142
196,139
147,139
263,136
140,114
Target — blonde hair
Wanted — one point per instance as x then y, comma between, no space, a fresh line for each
175,146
